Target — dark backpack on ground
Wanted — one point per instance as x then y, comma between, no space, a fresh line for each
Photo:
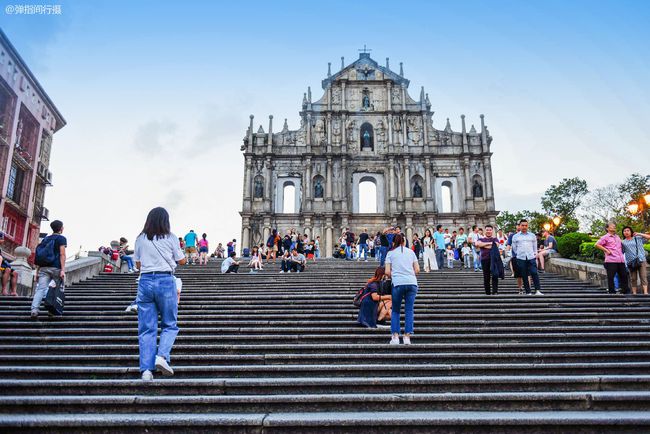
55,299
360,295
45,252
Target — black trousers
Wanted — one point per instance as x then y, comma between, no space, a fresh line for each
487,277
233,268
617,267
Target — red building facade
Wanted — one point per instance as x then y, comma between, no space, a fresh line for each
28,120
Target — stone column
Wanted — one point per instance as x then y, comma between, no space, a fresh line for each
308,138
329,128
329,97
488,190
268,194
409,228
328,239
403,97
328,184
246,234
407,179
343,105
391,139
405,136
469,200
425,132
389,98
247,184
344,193
307,201
427,181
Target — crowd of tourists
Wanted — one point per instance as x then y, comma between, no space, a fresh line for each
158,252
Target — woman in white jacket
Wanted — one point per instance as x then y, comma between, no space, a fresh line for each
430,262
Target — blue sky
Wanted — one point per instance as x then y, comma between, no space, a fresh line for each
157,93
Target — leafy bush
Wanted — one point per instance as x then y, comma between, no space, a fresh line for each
568,245
589,250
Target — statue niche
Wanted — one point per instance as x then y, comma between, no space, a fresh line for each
367,137
417,190
477,189
258,190
318,187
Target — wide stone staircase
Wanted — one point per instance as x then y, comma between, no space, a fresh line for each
271,352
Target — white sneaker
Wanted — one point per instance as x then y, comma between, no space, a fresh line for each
136,270
281,271
538,293
407,340
131,271
163,366
147,375
132,308
394,340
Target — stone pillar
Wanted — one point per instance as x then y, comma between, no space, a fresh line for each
469,200
344,185
343,105
409,228
488,188
328,184
25,287
391,185
246,234
391,139
247,184
269,138
307,201
267,232
407,179
268,194
328,239
403,90
329,128
425,132
404,129
427,181
329,97
389,98
308,138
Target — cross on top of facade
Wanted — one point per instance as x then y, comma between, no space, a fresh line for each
364,49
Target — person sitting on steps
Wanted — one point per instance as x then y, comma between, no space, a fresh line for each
230,265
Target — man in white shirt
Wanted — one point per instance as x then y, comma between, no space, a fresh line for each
471,239
524,247
230,265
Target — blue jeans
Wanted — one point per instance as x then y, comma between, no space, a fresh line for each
377,255
408,293
156,296
317,253
383,251
363,248
440,258
128,260
477,260
348,251
45,276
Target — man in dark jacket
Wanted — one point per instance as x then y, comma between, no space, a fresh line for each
487,261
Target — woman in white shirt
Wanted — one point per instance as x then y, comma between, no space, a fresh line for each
156,254
430,262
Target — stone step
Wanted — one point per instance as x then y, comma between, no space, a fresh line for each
551,422
334,385
130,359
316,370
493,401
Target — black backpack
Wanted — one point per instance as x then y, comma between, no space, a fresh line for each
45,252
360,295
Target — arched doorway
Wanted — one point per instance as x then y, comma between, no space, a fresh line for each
289,198
368,196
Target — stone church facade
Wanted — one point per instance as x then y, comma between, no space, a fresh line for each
366,128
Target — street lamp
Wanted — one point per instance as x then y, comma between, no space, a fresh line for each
557,220
633,207
547,226
647,198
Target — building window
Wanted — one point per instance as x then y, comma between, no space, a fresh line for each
6,111
368,197
46,146
446,197
15,185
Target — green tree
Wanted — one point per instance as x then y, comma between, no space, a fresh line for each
507,221
635,186
563,200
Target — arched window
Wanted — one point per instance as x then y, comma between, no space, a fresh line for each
446,197
367,137
289,198
368,196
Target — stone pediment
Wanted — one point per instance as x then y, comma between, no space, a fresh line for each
365,69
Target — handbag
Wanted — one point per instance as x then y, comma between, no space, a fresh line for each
635,263
360,296
179,282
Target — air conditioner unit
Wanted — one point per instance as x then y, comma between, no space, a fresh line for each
41,169
48,176
45,214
